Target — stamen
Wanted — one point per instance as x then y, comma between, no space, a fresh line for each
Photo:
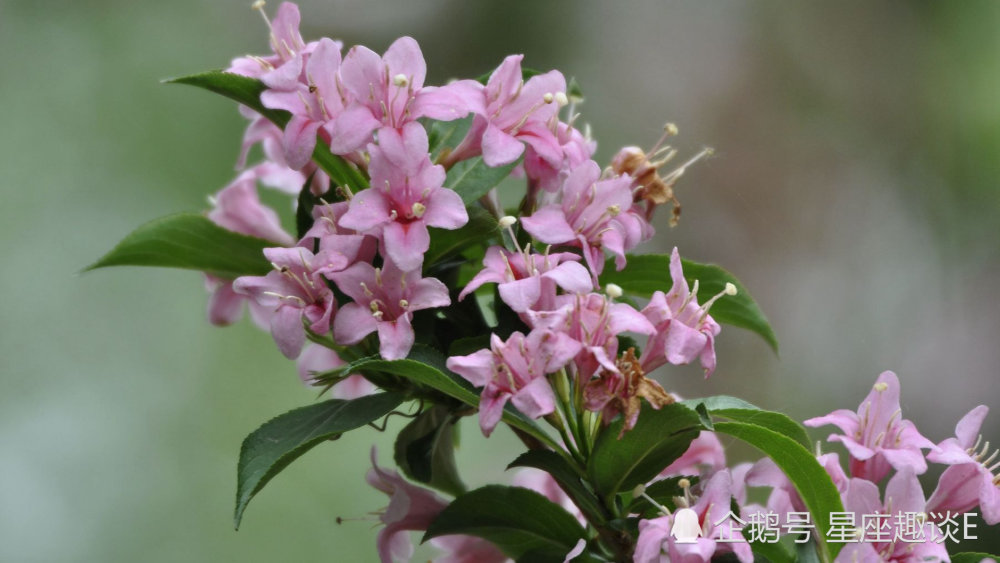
986,448
613,291
561,99
679,171
669,130
513,276
418,209
692,295
729,290
259,6
990,459
975,446
880,386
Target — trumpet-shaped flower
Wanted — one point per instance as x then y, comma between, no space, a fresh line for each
389,92
704,456
895,542
971,480
309,91
527,280
285,40
657,543
593,214
411,508
595,322
548,172
684,329
876,436
296,292
515,371
406,197
384,301
514,112
238,208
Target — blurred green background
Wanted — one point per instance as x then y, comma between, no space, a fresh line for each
854,190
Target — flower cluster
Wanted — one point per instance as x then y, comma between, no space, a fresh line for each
406,280
899,524
361,267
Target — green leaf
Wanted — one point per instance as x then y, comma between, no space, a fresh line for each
446,135
809,478
247,91
189,241
472,178
972,557
569,478
426,367
773,552
480,229
469,345
425,450
526,73
282,440
647,273
303,211
574,91
519,521
242,89
739,410
806,552
658,438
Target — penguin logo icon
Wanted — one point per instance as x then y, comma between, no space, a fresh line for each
686,528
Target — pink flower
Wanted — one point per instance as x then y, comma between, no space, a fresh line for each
467,549
286,43
595,322
237,208
316,359
970,480
713,507
592,214
307,88
384,301
526,280
902,495
704,456
515,370
548,172
296,292
411,508
406,197
514,112
389,91
876,436
684,330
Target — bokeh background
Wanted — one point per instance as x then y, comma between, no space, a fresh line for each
854,191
